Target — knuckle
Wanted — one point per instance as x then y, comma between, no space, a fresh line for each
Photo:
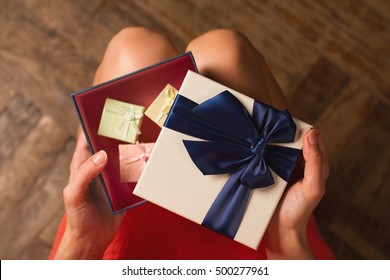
317,193
317,157
67,194
82,171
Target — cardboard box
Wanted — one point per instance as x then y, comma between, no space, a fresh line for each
132,160
121,120
172,180
140,87
160,107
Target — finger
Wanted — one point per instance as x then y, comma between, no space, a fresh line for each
80,154
86,172
79,131
313,174
325,161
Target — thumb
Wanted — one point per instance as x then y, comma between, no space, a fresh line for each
312,153
88,171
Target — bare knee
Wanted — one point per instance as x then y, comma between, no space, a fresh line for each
229,58
133,48
218,36
140,43
222,46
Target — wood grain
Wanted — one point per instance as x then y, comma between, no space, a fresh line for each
41,210
331,59
320,87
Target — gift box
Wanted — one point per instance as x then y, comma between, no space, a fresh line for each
222,160
160,107
140,87
132,160
121,120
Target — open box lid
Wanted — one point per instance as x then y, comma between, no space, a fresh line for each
140,87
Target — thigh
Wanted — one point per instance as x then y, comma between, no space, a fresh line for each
131,49
229,58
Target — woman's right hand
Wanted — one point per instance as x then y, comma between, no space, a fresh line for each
90,225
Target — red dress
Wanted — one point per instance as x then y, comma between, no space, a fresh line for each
151,232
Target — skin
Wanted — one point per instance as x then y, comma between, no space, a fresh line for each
91,227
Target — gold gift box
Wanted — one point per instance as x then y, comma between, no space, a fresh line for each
159,109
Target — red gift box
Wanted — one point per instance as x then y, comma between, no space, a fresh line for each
141,88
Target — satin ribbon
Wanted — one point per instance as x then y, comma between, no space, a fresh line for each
169,96
129,119
237,144
144,156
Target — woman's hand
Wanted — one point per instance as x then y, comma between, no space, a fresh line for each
90,225
286,234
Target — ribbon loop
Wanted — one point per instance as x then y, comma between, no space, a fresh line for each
238,144
129,120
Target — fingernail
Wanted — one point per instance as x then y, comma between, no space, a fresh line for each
313,136
99,158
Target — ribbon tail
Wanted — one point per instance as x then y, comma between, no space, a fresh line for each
137,131
126,131
226,212
282,160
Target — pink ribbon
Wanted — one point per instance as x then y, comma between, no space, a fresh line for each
144,156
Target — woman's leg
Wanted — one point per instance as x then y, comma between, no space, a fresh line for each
131,49
223,55
229,58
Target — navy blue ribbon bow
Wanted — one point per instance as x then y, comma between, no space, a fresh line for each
237,144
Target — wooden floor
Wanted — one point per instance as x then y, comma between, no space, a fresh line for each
330,57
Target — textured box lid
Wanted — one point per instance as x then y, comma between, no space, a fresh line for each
140,87
173,181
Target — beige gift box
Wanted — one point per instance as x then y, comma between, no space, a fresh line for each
171,179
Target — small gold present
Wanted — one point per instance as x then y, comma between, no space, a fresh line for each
159,109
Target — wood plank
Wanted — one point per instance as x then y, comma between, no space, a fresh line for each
343,115
351,49
16,120
69,64
381,6
361,20
26,75
278,50
182,21
36,251
317,91
49,231
369,205
340,249
35,211
33,157
348,126
375,200
358,242
50,48
357,151
6,95
76,20
119,14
